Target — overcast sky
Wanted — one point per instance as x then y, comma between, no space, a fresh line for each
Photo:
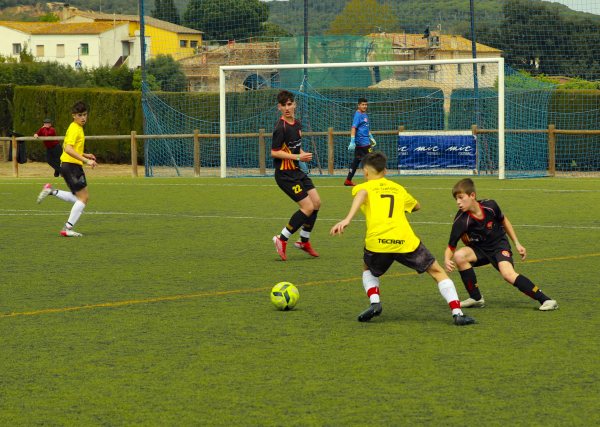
592,6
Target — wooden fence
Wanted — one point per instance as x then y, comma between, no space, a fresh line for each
261,135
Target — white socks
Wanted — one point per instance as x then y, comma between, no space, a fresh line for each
66,196
448,291
76,212
371,284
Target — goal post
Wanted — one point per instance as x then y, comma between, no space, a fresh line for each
224,71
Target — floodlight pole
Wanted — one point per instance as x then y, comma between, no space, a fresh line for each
143,73
305,81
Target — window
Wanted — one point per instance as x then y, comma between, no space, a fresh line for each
39,50
183,43
459,68
85,49
16,49
193,43
482,69
60,50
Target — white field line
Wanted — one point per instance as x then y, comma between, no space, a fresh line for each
545,190
31,212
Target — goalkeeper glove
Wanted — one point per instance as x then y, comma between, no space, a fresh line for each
352,145
373,142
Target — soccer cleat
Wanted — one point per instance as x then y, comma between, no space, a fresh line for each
549,305
349,183
306,247
45,192
373,311
472,303
67,232
280,246
463,319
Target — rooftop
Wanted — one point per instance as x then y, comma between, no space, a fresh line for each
448,42
157,23
58,28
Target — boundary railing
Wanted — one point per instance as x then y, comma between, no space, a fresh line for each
261,135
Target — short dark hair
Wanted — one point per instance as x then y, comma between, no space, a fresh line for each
466,186
79,107
361,100
284,96
376,160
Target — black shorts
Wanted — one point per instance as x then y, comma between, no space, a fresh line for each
501,252
360,152
74,176
295,183
420,260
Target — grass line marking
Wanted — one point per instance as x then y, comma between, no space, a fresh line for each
37,212
240,291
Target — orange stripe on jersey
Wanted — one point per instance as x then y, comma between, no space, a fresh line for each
287,164
465,239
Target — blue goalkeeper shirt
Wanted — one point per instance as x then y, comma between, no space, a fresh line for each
361,124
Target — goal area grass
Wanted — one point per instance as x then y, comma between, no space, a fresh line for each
160,313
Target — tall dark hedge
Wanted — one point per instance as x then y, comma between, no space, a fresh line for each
6,99
110,112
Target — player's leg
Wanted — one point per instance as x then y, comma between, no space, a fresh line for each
465,258
308,226
293,187
448,291
374,265
70,180
359,153
75,177
526,286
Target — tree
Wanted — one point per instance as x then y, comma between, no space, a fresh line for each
168,73
165,10
49,17
26,55
226,19
151,83
361,17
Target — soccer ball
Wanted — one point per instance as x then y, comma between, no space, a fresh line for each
284,296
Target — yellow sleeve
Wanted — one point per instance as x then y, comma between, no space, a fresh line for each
409,202
71,136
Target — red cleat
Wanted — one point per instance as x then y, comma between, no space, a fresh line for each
349,183
280,245
306,247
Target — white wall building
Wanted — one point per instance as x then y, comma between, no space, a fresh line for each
94,44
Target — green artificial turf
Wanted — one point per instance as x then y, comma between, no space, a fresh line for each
160,314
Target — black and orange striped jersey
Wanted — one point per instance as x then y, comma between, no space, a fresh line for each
484,232
287,137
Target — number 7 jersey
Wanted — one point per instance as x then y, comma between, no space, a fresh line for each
385,207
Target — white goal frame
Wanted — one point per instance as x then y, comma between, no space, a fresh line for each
222,92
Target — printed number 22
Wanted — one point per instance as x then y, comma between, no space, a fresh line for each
297,189
391,196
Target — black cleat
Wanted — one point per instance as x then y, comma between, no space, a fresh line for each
463,319
373,311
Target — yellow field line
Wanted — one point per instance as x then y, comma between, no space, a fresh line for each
239,291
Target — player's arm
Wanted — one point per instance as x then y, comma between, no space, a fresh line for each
303,156
448,255
513,236
416,208
359,199
70,150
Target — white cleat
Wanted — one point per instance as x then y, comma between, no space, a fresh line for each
66,232
470,302
45,192
549,305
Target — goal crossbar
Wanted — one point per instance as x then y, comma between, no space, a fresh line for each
222,92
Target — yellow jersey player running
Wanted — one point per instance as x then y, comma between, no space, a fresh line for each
73,159
390,237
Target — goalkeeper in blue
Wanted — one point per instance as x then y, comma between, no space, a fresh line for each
361,139
390,237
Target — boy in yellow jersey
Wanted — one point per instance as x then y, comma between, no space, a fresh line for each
73,159
390,237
